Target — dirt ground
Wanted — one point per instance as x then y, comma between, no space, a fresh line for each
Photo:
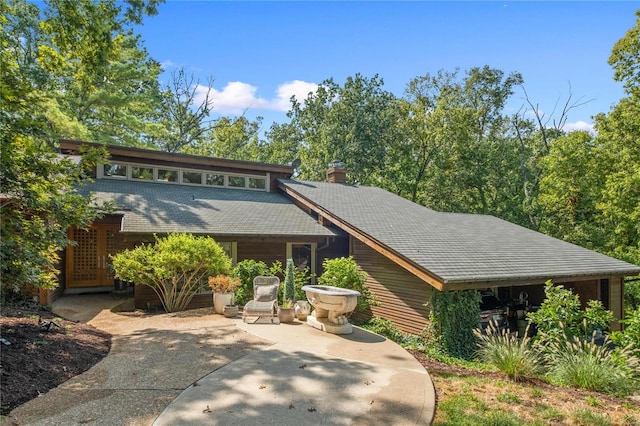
39,350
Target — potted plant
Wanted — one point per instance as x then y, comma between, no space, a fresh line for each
223,287
286,312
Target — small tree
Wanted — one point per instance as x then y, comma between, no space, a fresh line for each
344,272
289,283
560,313
176,267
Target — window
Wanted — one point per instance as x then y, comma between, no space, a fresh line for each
304,256
177,175
231,250
144,173
167,175
115,170
215,180
257,183
192,177
237,181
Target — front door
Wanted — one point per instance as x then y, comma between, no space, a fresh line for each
88,263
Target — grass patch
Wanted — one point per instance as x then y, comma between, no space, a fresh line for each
589,418
509,398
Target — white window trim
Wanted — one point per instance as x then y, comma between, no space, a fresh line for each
203,182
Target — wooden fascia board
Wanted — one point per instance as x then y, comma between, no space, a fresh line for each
524,281
145,155
365,239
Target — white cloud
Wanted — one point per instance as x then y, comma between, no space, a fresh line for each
236,96
579,125
299,89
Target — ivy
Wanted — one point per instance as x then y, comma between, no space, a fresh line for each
454,316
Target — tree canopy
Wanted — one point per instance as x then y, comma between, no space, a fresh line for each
78,70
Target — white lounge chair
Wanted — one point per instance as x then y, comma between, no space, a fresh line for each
263,309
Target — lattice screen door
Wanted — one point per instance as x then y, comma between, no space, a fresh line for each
87,262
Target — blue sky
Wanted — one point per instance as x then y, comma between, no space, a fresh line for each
261,53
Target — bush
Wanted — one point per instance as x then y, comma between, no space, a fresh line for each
454,316
246,271
512,355
631,334
632,293
176,267
560,314
388,329
344,272
582,363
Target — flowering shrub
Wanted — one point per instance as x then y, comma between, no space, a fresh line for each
224,283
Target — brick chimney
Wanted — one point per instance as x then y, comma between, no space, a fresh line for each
336,173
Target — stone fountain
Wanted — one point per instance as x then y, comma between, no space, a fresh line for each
331,307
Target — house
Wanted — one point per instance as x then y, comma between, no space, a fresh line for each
257,211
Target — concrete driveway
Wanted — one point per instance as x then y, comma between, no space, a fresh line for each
200,368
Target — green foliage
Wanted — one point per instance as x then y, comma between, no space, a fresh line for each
573,361
42,202
630,336
561,311
289,281
354,123
454,316
388,329
512,355
176,267
344,272
247,270
589,418
632,293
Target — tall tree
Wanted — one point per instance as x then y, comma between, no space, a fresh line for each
460,156
591,185
353,123
619,135
183,117
233,138
53,72
99,74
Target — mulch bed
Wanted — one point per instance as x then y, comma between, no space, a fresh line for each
35,357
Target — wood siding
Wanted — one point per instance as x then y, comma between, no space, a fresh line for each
268,252
400,294
146,298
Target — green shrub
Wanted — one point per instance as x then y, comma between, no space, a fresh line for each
176,267
454,316
561,307
573,361
344,272
632,293
247,270
630,336
383,327
512,355
560,314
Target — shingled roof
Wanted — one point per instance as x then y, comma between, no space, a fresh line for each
161,208
452,248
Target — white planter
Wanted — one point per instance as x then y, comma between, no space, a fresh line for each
221,299
302,310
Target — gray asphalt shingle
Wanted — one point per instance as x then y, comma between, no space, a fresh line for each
156,207
457,248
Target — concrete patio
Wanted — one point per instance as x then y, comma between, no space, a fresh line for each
197,368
